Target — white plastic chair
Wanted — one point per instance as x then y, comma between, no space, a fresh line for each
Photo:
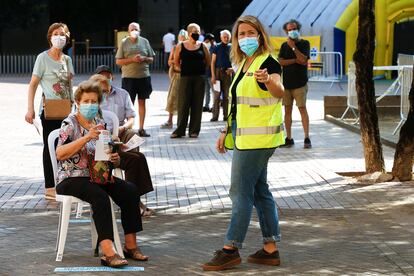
65,210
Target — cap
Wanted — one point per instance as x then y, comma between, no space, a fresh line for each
103,68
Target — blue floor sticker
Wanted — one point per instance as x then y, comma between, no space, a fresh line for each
86,221
98,269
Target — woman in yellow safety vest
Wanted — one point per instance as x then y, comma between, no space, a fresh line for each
254,130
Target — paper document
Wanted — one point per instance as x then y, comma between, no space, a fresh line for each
134,142
102,146
216,86
38,127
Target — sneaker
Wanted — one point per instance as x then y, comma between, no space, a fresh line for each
143,133
213,119
167,125
307,143
288,143
222,260
50,194
206,109
262,257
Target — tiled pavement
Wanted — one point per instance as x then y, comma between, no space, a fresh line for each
329,225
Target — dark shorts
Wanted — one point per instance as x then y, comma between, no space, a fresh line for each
142,87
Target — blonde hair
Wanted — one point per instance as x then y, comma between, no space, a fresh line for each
98,78
193,25
236,54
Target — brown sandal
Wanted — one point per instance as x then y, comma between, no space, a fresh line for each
113,261
135,254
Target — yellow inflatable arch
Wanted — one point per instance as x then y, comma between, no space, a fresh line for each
387,13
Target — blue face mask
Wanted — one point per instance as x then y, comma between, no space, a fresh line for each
109,82
249,45
88,111
293,34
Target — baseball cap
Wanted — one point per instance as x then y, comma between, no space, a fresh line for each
103,68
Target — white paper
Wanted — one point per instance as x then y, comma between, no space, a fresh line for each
134,142
102,146
216,86
38,127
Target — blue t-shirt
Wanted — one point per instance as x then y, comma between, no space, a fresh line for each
222,52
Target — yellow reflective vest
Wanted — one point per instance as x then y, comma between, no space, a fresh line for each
259,114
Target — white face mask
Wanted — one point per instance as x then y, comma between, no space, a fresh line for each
58,41
208,44
134,34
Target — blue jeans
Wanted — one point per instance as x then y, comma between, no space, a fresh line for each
249,188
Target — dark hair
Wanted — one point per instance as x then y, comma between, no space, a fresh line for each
55,26
88,86
209,36
292,21
170,30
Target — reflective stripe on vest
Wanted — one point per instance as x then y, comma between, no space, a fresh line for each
259,130
257,101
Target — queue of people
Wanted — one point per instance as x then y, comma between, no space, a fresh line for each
251,95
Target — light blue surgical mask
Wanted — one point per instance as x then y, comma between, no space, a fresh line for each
88,111
293,34
109,82
249,45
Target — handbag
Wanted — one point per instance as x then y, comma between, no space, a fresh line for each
58,109
99,171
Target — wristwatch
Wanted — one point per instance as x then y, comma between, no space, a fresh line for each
293,49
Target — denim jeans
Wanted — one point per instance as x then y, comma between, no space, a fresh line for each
249,188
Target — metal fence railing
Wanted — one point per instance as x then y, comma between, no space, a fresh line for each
402,85
13,64
326,67
352,98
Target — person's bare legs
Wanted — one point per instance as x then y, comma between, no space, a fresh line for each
170,118
107,247
305,120
131,244
270,247
288,121
141,112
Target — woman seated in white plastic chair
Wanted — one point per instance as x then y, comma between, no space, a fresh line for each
79,175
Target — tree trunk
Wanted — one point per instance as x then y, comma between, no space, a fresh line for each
363,57
404,153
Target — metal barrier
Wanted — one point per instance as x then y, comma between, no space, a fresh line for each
401,84
326,67
11,64
352,98
406,80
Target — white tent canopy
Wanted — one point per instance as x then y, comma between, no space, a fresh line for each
318,17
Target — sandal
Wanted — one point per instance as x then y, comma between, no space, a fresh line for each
135,254
113,261
147,212
167,125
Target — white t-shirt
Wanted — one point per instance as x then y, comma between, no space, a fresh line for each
168,39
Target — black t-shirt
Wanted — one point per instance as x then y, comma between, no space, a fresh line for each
294,75
272,67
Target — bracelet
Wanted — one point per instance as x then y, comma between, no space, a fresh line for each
268,79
